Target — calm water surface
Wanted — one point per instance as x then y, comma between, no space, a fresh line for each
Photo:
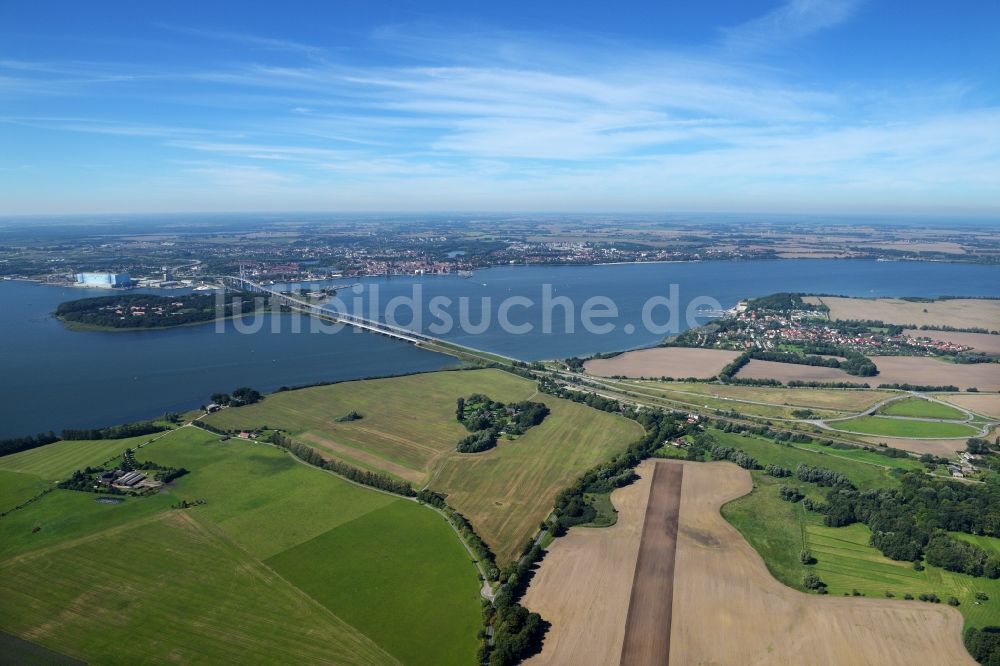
53,378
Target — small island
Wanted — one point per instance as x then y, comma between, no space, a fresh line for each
150,311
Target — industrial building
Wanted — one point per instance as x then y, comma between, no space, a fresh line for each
103,280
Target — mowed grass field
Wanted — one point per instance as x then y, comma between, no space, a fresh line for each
874,425
409,430
841,400
57,461
867,469
920,408
845,562
143,581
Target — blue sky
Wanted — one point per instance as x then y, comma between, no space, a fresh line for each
840,106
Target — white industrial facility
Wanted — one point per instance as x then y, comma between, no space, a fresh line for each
103,280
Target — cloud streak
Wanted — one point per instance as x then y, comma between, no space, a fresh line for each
526,124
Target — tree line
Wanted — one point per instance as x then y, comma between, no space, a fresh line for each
364,477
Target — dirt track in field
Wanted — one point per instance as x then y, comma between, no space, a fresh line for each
647,629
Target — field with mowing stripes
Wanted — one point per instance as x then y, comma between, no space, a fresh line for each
841,400
846,562
58,460
165,590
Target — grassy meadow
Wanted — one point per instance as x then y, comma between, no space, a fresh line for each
920,408
409,430
875,425
780,530
144,581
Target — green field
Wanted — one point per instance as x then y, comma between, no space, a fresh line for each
833,400
409,430
920,408
164,590
780,530
58,460
144,582
846,562
409,598
866,469
874,425
16,487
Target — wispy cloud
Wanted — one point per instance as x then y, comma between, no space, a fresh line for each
790,22
520,122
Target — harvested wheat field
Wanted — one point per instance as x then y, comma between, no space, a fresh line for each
919,370
584,583
981,403
986,343
926,371
945,448
728,609
678,362
786,372
959,312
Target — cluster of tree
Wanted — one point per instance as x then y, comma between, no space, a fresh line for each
477,442
796,359
168,474
856,363
479,412
765,431
574,364
364,477
16,444
84,481
729,371
777,471
737,456
114,432
912,522
486,419
241,396
955,329
822,476
546,385
783,302
790,493
350,416
984,645
156,311
949,388
209,427
517,633
812,582
980,446
571,507
797,383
